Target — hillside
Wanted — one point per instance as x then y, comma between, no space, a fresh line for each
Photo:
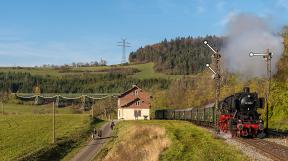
183,55
104,79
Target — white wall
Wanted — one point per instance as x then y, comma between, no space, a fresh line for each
128,114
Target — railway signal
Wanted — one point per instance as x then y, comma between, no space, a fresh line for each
216,61
267,55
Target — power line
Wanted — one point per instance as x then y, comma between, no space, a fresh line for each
123,44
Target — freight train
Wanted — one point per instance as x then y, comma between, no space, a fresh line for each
237,115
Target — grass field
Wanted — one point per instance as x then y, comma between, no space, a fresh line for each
146,71
33,71
34,109
25,130
187,142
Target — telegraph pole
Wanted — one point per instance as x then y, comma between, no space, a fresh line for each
2,104
92,113
216,76
267,55
53,123
123,44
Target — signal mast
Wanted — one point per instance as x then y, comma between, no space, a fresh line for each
216,76
267,55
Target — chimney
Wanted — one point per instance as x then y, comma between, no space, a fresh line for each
246,89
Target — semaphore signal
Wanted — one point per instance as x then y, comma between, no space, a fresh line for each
216,76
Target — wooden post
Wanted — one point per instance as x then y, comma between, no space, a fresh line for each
53,123
92,114
268,59
105,113
2,108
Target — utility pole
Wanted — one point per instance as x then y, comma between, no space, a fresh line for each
2,104
123,44
267,55
53,123
216,76
92,112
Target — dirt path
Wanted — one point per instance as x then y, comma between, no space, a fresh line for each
90,150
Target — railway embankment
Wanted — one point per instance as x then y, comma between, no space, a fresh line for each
177,140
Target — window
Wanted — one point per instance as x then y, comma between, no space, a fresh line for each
137,113
135,93
138,103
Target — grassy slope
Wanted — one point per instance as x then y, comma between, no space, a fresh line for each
23,131
33,109
146,71
33,71
21,134
188,142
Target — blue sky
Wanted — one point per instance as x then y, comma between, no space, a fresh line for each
34,32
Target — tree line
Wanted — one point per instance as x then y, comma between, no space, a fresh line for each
183,55
80,83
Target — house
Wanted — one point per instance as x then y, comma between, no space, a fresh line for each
134,104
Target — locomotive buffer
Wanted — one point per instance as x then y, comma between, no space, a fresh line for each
216,76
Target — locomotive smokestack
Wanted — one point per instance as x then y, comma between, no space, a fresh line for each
246,89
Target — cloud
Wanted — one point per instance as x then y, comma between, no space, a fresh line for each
227,18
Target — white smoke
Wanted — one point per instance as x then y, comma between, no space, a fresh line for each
248,33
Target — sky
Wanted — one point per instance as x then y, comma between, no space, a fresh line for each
34,32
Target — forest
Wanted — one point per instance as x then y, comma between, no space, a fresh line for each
84,83
182,55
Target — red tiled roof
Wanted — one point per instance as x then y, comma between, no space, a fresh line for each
131,102
123,94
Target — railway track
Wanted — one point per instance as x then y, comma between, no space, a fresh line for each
277,133
271,150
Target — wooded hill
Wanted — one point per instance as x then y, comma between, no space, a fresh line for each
183,55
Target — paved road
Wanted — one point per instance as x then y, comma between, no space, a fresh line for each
90,150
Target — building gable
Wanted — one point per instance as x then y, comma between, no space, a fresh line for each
134,98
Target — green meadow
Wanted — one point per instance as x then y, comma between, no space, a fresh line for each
27,129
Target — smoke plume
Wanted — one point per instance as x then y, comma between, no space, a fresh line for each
248,33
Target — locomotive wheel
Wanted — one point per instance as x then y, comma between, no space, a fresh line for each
261,135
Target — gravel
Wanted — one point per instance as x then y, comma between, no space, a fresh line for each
248,150
281,141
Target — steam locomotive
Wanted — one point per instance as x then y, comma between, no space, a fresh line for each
237,114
